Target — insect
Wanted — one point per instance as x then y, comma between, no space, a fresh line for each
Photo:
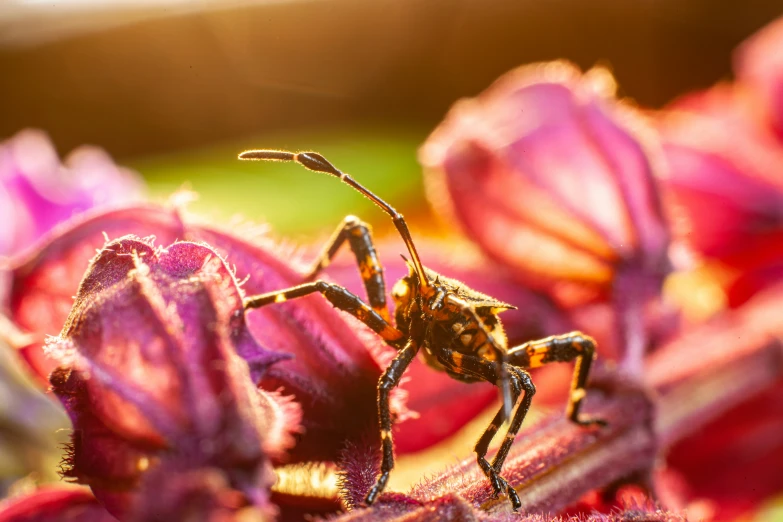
455,328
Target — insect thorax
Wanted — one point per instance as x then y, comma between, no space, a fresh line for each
444,325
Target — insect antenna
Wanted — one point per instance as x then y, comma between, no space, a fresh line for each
315,162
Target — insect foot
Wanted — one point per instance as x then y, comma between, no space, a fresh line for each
589,422
499,484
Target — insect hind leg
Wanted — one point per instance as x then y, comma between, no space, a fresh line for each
517,381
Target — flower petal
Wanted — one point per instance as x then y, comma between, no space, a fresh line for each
37,192
55,504
551,179
337,361
44,281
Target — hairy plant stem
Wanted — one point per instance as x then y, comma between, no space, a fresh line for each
687,383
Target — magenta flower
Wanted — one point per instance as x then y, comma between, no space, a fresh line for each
37,191
724,152
553,179
721,185
333,362
158,397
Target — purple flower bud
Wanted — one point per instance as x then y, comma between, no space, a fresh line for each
42,282
153,385
554,179
551,177
37,191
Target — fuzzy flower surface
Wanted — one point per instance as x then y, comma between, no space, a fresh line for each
151,380
329,361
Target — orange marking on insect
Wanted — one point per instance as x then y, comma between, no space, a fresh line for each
390,334
367,268
382,311
537,356
487,352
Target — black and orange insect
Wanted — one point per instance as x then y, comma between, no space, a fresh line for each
455,328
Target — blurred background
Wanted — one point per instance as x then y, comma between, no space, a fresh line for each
175,88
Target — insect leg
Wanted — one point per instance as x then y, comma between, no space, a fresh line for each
518,381
389,379
341,298
523,380
358,235
317,163
574,346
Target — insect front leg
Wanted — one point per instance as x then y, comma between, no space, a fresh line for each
518,381
340,297
389,379
522,379
574,346
358,234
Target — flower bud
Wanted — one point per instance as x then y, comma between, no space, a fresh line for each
549,175
150,378
336,361
554,179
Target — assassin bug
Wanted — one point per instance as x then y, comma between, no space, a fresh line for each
456,329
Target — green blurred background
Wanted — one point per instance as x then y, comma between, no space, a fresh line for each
175,88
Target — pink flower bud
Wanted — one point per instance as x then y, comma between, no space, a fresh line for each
42,282
153,385
549,175
553,178
37,191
